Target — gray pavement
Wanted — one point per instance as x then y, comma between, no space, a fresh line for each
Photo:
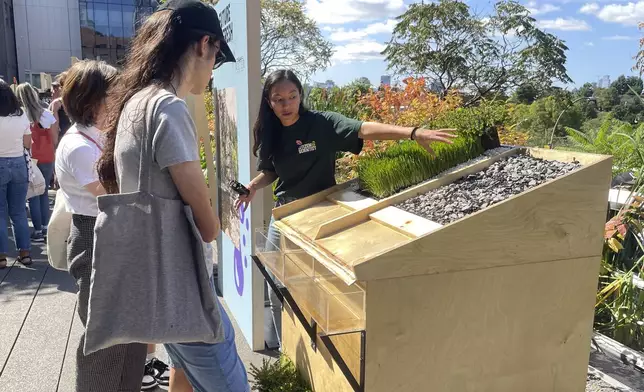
39,328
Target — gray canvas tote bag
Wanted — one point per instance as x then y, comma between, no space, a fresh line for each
149,281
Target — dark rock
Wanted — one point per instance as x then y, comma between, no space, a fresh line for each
480,190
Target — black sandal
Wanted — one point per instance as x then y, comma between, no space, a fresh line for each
25,260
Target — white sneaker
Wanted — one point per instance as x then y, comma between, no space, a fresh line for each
149,381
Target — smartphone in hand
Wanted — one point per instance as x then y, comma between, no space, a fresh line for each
238,188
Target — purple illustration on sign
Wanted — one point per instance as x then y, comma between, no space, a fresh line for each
239,266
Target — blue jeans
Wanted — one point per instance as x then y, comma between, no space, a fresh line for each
39,205
211,367
14,182
275,304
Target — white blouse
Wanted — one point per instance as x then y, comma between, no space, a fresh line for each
76,159
12,130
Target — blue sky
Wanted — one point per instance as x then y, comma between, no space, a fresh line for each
602,36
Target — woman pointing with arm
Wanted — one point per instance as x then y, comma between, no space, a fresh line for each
297,147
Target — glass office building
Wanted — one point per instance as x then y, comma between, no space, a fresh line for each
107,26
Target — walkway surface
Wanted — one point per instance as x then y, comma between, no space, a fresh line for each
39,328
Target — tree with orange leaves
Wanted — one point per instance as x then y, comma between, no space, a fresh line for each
414,105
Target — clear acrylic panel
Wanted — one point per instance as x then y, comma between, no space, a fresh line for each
335,306
269,253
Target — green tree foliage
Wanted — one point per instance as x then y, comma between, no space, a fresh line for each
363,81
343,100
607,98
446,42
612,137
630,109
624,84
290,39
526,94
539,118
587,90
474,121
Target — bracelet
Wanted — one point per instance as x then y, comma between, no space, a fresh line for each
413,132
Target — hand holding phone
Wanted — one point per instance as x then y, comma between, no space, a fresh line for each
239,188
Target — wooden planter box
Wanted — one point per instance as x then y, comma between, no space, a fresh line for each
501,300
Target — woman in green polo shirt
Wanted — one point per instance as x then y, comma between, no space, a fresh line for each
297,147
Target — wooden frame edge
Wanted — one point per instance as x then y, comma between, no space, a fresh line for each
300,204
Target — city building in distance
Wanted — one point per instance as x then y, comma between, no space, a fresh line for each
49,33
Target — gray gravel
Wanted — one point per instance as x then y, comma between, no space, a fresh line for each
595,384
475,192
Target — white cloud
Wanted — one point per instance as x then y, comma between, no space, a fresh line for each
345,11
619,38
629,14
541,10
589,8
567,24
589,44
358,51
351,35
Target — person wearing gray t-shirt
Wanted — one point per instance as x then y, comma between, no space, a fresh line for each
173,55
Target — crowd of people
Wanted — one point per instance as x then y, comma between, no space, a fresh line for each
91,141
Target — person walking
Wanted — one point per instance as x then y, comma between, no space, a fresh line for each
44,137
15,136
118,368
172,56
297,148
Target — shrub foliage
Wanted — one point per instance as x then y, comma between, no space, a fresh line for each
278,376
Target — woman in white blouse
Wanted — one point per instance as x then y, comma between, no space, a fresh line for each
117,368
15,136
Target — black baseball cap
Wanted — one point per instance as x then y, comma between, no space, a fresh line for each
193,15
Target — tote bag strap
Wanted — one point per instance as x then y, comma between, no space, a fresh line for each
146,158
90,139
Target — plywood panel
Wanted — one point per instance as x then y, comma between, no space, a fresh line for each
317,366
561,219
362,241
521,328
307,221
405,222
566,156
352,199
300,204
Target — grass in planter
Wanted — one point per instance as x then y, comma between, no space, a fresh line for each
406,164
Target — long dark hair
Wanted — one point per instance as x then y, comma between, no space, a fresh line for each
9,104
153,59
267,125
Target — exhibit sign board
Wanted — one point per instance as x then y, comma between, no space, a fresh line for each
235,92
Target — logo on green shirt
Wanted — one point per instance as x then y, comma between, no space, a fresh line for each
304,148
